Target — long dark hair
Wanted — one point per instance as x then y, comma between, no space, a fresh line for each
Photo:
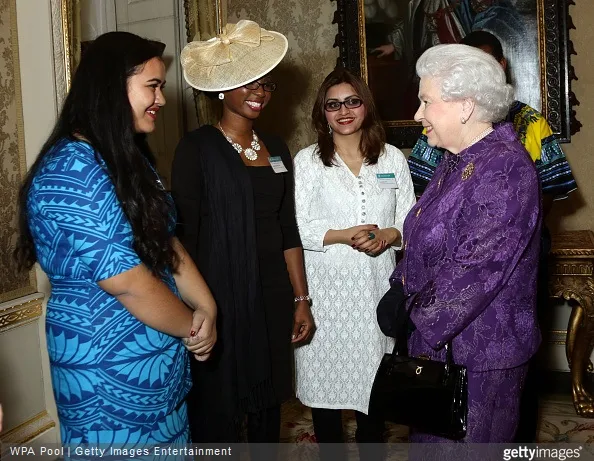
97,109
373,136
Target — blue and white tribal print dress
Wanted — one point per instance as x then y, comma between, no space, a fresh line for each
115,379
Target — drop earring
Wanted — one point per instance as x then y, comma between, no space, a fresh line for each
221,96
329,129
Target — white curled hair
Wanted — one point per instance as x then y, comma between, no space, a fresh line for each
466,72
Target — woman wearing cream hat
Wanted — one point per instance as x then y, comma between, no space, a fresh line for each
234,191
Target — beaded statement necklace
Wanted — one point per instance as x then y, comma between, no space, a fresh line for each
251,153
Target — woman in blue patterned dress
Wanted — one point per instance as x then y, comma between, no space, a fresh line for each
96,217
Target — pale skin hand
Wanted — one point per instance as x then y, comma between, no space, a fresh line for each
205,335
344,236
196,294
384,238
384,50
358,238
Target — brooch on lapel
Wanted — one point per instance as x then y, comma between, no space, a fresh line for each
467,172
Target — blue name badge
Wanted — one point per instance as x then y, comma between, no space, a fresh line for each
386,181
277,164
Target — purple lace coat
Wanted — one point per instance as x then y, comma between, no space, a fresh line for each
471,256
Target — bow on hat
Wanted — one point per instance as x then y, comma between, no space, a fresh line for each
233,43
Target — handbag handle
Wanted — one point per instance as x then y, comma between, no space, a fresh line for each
401,339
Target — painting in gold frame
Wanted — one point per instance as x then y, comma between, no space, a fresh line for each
538,47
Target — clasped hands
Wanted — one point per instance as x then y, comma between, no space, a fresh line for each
370,239
203,334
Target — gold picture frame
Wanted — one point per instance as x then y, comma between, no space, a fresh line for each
66,44
547,59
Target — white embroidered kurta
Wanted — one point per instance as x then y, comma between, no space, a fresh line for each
337,368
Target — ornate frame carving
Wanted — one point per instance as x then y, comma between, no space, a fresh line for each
556,71
28,310
61,13
27,431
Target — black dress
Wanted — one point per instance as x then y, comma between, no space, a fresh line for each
275,221
235,222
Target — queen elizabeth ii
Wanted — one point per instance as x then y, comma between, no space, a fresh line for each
472,240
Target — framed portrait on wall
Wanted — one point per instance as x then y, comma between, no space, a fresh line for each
382,40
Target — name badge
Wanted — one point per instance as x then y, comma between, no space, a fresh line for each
277,164
386,180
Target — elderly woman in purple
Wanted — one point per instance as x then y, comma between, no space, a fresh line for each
472,239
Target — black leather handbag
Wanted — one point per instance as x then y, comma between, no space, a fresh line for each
427,395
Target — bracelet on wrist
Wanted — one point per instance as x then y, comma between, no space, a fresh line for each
303,298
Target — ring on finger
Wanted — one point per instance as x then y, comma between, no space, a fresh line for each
370,235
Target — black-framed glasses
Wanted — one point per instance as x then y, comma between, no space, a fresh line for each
269,87
351,103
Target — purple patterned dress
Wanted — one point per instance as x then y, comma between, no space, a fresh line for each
470,264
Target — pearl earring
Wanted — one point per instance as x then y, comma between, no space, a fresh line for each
463,120
221,96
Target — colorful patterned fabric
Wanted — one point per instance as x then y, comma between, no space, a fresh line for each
534,133
115,379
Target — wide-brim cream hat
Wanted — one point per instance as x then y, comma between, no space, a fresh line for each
244,52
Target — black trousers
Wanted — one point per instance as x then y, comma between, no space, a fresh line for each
329,434
263,432
529,401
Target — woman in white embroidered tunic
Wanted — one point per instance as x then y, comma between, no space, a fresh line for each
352,194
